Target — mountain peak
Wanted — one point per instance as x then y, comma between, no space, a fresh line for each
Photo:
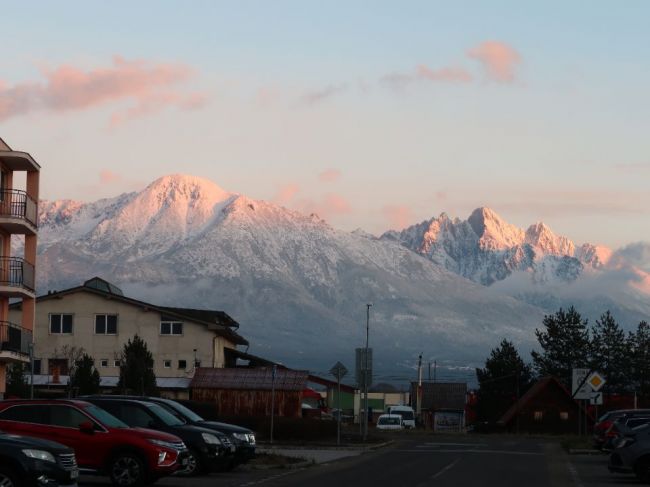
184,185
541,236
493,231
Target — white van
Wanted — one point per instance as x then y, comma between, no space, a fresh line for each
390,422
407,414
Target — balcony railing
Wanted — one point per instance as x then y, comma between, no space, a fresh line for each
15,203
14,338
16,272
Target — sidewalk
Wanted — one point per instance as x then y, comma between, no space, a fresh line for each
312,454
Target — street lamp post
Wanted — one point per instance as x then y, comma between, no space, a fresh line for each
365,375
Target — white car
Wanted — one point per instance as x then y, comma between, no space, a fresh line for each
407,414
390,422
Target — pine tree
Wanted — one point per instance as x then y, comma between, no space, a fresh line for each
136,371
611,353
17,385
85,377
503,380
565,345
639,343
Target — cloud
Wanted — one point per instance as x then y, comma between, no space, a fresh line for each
447,74
334,204
399,217
329,91
499,60
109,177
150,86
286,194
635,254
329,175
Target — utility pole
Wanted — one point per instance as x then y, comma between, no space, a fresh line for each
418,407
429,371
365,375
272,399
435,369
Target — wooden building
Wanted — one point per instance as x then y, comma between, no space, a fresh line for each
547,407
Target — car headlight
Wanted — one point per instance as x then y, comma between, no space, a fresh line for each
210,439
46,456
168,444
241,436
251,438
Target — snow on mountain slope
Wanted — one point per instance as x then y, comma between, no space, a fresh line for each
297,286
534,265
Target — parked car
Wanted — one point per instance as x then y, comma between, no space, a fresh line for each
407,414
606,420
208,450
242,438
102,443
620,428
390,422
32,462
632,454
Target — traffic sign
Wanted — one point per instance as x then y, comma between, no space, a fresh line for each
580,389
596,381
596,399
339,371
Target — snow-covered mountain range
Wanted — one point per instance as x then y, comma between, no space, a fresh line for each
299,287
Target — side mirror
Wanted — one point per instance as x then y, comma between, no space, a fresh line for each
87,427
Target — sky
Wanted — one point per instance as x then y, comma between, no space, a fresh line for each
375,115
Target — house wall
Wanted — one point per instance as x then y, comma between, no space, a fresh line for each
132,320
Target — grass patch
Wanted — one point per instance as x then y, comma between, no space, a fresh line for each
577,443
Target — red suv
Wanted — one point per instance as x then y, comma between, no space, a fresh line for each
103,444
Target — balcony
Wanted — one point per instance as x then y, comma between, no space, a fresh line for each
16,277
18,212
14,342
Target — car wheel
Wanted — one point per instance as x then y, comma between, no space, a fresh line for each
194,466
8,478
642,470
127,470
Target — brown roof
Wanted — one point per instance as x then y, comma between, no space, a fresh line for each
250,379
536,389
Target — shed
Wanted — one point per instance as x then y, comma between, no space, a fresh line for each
248,392
547,407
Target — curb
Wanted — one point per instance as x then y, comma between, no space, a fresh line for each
288,466
584,451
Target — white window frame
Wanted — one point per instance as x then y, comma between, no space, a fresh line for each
106,315
171,328
117,363
49,324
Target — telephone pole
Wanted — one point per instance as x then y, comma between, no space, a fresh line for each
365,375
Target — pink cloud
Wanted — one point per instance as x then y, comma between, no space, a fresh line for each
109,177
335,204
498,59
286,194
329,175
149,85
329,91
399,217
448,74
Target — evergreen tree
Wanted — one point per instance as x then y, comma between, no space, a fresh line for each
639,343
136,371
85,377
610,354
503,380
565,345
17,385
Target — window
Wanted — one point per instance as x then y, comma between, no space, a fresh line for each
66,417
58,366
167,364
538,415
37,366
171,328
564,415
197,364
106,324
182,364
116,363
61,324
103,362
27,414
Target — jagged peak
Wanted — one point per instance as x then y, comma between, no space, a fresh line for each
187,185
493,231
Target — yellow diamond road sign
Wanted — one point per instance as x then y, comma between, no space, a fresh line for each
596,381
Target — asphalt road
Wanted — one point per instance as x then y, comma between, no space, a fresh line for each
421,461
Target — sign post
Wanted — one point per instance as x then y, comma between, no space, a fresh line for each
339,371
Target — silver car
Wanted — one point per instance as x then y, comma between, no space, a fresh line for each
632,453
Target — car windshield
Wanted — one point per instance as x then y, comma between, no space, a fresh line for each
165,416
406,415
181,411
105,418
394,421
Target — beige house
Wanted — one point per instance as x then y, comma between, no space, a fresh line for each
99,319
18,217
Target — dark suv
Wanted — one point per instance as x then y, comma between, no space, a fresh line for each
102,443
31,462
242,438
208,450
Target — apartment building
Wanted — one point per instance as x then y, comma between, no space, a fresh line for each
18,220
98,318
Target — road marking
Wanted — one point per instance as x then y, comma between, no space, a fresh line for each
502,452
448,467
451,444
574,475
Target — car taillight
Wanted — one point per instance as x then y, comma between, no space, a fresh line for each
604,426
